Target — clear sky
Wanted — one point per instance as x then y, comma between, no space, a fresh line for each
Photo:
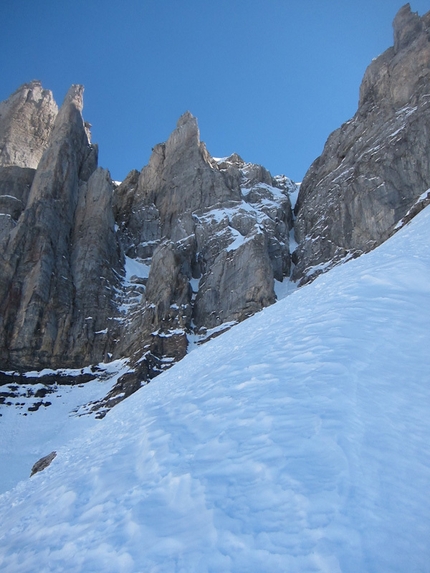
268,79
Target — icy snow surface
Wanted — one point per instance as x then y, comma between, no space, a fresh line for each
298,441
135,268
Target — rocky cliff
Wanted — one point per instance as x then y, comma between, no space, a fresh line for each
204,239
376,166
53,269
91,271
26,122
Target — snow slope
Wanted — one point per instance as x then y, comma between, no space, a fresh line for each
26,436
298,441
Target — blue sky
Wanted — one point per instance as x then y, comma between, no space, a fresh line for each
269,80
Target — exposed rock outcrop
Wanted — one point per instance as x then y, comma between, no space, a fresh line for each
15,183
213,235
95,262
26,122
50,256
372,169
204,238
239,283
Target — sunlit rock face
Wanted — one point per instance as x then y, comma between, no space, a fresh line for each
58,251
26,121
207,237
213,233
377,165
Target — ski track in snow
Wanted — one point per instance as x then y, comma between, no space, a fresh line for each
298,441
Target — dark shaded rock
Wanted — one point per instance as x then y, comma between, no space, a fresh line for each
59,378
407,26
43,463
36,405
168,283
373,168
139,224
95,263
15,183
127,385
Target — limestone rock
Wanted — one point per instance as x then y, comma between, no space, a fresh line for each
376,165
36,263
26,121
206,239
214,235
95,262
181,178
239,284
138,222
407,26
168,282
51,261
15,183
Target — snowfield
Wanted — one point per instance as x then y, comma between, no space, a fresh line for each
298,441
27,436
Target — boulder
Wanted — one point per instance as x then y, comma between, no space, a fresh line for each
43,463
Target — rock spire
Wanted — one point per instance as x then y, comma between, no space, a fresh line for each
26,122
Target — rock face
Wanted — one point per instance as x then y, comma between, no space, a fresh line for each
50,264
177,253
26,122
202,241
377,165
212,236
15,183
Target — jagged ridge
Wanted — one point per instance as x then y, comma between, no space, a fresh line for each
209,236
91,271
